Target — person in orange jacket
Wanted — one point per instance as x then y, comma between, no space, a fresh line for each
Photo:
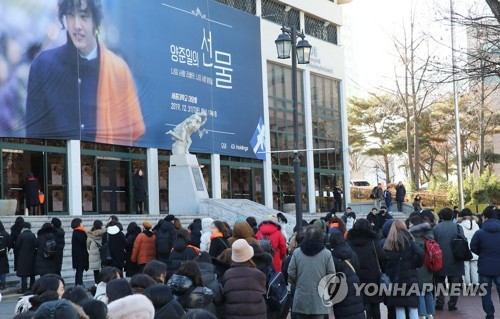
144,246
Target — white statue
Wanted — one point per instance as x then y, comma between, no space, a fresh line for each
181,134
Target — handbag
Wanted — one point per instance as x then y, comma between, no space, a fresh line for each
384,278
460,247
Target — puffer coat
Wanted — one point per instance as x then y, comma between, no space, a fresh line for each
144,248
190,296
272,230
244,291
94,241
44,265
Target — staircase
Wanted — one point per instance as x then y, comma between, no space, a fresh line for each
218,209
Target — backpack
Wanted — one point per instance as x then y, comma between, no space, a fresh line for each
104,252
162,244
277,291
460,247
3,245
372,195
266,245
49,248
433,259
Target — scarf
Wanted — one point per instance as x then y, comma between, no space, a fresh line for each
119,116
81,228
217,234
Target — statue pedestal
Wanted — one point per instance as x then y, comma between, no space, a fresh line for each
186,184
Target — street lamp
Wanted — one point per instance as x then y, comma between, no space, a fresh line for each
376,169
301,53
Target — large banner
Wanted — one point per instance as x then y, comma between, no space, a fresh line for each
132,72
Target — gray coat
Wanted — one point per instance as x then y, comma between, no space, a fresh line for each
422,232
94,238
444,233
305,272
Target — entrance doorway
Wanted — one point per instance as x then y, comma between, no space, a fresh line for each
17,164
113,186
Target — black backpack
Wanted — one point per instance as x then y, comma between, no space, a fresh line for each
49,248
460,247
277,291
3,245
162,243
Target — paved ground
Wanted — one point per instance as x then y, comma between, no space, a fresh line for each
468,308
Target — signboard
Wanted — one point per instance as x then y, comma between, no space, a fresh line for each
127,72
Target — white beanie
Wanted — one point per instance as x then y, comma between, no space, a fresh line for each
241,251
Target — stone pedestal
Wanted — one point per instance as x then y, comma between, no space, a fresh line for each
186,185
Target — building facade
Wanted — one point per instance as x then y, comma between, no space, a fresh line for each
80,177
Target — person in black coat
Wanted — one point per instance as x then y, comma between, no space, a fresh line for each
26,246
60,243
404,257
139,190
79,252
4,257
165,236
132,232
117,245
400,195
180,253
365,243
195,229
31,189
15,230
347,262
218,239
44,265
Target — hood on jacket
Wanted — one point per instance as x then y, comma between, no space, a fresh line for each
311,247
46,230
359,237
387,227
268,227
342,251
173,309
131,307
206,223
179,284
97,233
467,222
148,233
243,230
491,225
113,230
321,224
58,309
423,230
180,243
166,226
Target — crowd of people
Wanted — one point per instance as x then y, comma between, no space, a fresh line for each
215,270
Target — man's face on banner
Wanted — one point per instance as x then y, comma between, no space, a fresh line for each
80,25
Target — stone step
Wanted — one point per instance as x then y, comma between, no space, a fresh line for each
67,271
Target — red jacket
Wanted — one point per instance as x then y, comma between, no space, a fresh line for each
144,248
273,231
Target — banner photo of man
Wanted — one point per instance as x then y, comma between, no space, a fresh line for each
127,72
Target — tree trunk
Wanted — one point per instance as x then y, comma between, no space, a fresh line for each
481,130
416,144
495,8
387,169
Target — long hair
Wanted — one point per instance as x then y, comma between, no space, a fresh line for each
191,270
221,227
396,240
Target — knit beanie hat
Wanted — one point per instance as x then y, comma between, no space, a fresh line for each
241,251
147,225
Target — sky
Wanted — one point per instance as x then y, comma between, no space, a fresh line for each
367,33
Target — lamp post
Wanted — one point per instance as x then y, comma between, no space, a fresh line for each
301,52
376,170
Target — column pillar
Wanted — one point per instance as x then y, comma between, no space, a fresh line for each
74,177
345,144
216,179
153,183
311,188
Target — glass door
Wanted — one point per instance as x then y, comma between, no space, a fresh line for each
113,186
